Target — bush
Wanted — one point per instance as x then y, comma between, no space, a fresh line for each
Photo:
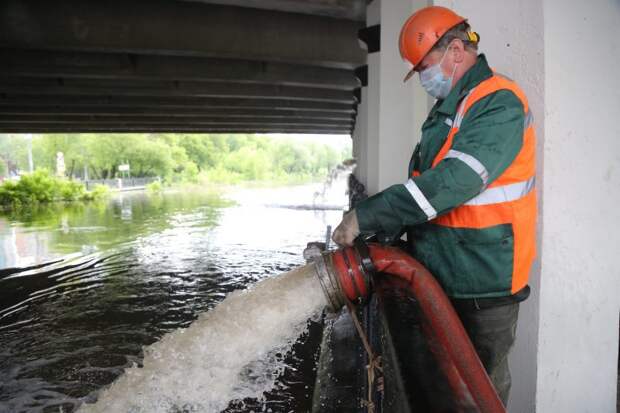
70,190
98,192
41,187
38,186
101,191
154,187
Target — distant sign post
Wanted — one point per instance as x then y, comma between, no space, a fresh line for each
124,168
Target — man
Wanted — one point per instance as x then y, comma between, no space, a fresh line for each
469,206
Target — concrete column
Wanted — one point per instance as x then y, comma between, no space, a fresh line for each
580,279
395,110
360,138
373,17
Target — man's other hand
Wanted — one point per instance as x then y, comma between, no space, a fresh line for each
347,231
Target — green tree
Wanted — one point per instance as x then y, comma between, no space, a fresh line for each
292,158
201,150
13,153
175,157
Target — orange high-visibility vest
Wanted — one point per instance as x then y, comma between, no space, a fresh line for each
511,198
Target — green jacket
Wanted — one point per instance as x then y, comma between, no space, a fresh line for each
467,262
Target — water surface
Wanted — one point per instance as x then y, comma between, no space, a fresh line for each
84,287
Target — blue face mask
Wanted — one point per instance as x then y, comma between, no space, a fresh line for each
435,82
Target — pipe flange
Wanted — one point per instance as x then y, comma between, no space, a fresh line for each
329,281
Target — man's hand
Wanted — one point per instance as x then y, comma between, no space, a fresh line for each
347,231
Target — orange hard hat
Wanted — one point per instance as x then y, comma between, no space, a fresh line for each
422,30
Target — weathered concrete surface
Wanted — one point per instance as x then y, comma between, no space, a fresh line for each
50,87
343,9
92,65
172,127
150,56
580,277
180,28
172,102
78,112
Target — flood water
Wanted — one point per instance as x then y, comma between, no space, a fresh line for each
83,288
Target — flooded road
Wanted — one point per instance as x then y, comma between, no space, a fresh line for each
84,288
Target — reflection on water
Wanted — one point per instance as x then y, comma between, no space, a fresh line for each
84,287
32,236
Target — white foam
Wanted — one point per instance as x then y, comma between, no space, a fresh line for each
226,354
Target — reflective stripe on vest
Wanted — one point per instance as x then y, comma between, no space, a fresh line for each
504,193
529,120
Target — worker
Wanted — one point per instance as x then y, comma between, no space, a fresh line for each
469,205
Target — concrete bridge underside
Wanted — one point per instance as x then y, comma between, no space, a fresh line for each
173,65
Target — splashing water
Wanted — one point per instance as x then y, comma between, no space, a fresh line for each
334,187
228,353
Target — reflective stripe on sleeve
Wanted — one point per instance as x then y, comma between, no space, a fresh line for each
504,193
472,162
420,199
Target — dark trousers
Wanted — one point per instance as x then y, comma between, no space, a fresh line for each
492,332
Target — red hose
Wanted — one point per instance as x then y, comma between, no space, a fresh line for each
458,358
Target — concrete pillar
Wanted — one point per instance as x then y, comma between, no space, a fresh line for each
580,279
373,17
396,110
360,138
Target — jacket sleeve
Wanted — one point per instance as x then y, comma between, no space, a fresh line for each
489,139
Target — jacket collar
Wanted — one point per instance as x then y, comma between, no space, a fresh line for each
477,73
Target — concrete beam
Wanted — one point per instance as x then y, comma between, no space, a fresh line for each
72,87
342,9
181,103
111,111
79,65
45,120
72,128
180,28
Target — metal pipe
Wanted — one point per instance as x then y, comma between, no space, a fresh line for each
342,274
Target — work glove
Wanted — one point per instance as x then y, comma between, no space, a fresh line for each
347,231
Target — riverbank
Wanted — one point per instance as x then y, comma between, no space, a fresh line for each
40,187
